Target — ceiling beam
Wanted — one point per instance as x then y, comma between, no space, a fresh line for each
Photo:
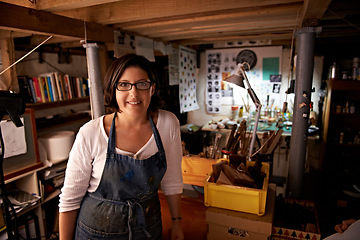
286,13
312,12
13,17
136,10
4,34
58,5
251,28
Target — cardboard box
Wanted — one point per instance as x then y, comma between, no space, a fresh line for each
227,224
302,212
244,199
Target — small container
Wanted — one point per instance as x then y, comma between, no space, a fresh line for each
341,141
338,109
226,154
344,75
352,108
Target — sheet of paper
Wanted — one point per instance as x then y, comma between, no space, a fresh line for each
14,138
145,47
187,79
173,54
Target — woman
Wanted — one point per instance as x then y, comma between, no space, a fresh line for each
118,161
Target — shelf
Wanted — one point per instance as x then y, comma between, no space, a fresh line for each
60,107
41,106
45,124
51,196
345,114
347,145
346,85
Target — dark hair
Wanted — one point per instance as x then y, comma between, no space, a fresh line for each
117,69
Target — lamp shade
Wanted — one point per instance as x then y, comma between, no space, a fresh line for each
236,79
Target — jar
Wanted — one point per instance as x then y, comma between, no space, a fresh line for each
226,153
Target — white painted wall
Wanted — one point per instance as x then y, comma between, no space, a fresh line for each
30,65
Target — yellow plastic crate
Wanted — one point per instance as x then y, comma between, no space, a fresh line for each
237,198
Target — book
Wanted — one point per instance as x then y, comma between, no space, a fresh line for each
86,87
32,88
49,89
58,86
67,80
62,83
79,87
35,81
43,89
53,85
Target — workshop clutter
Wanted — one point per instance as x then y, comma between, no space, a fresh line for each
235,189
237,143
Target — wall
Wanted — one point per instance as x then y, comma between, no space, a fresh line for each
201,117
30,65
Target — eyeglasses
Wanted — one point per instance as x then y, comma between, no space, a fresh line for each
125,86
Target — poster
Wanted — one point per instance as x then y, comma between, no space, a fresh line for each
187,79
220,63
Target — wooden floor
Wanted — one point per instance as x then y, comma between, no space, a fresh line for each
193,223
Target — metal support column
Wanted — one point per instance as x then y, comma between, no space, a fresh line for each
303,83
95,80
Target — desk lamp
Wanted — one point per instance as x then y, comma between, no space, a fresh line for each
237,79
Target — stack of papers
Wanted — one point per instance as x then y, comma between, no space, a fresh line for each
21,199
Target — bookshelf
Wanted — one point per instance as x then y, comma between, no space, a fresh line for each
41,118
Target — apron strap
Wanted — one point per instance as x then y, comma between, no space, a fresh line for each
156,135
111,144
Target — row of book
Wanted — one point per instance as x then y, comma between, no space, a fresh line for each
54,86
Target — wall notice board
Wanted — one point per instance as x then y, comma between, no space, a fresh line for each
220,63
28,160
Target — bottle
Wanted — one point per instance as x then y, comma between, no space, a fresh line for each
355,73
352,108
334,71
341,140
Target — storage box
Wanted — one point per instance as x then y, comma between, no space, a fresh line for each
237,198
227,224
57,145
301,214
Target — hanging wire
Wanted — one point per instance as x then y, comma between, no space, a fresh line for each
291,53
85,33
25,55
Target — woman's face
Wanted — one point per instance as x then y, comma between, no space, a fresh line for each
134,102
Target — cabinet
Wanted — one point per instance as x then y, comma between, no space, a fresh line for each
23,172
341,141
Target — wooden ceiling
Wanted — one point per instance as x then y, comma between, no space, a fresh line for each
185,22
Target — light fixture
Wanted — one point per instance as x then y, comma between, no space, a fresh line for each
237,78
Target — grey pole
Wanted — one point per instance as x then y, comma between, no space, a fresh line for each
303,82
95,80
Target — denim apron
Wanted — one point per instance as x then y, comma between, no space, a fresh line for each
126,204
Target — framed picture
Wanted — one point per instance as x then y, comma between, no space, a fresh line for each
30,160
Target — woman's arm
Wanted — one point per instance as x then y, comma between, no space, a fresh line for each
67,223
174,202
344,225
